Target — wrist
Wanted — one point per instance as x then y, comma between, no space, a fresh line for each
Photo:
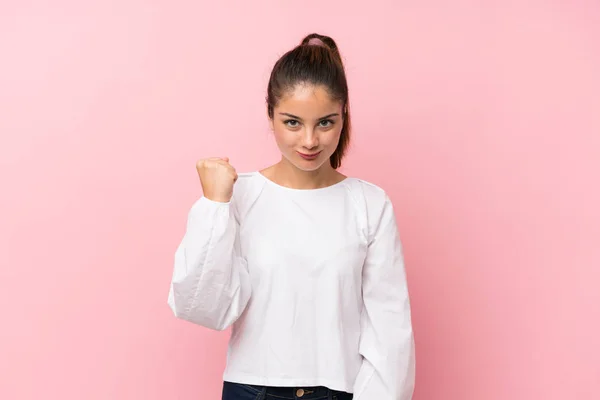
218,199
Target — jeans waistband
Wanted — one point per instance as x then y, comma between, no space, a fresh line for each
296,393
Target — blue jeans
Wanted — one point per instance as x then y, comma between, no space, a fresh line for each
239,391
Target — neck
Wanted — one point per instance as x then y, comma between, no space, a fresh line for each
286,174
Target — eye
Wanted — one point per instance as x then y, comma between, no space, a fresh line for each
326,123
291,123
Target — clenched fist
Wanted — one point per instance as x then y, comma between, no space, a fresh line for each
217,177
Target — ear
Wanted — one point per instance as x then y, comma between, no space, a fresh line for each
271,124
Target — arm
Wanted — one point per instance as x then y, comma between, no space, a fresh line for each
387,343
210,284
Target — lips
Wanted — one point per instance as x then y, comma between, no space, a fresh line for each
309,156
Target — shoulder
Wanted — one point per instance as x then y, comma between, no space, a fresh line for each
246,190
374,203
374,196
245,181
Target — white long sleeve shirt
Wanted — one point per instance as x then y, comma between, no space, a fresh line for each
311,281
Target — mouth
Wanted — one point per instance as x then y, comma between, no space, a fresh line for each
309,156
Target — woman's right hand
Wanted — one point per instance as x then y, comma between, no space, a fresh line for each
217,177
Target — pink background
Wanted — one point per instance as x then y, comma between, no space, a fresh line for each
481,119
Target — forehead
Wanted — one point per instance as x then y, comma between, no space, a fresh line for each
308,101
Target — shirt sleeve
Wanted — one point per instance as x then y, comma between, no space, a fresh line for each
210,284
387,343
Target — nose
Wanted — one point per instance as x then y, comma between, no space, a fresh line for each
310,139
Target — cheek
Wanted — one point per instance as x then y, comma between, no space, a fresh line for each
332,137
284,138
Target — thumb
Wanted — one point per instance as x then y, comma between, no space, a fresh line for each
226,159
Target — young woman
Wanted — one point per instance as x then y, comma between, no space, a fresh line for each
305,263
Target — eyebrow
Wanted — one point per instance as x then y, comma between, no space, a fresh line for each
296,117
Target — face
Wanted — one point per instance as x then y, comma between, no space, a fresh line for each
307,124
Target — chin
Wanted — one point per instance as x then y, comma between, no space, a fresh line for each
305,165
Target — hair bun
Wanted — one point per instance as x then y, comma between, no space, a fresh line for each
315,39
315,42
